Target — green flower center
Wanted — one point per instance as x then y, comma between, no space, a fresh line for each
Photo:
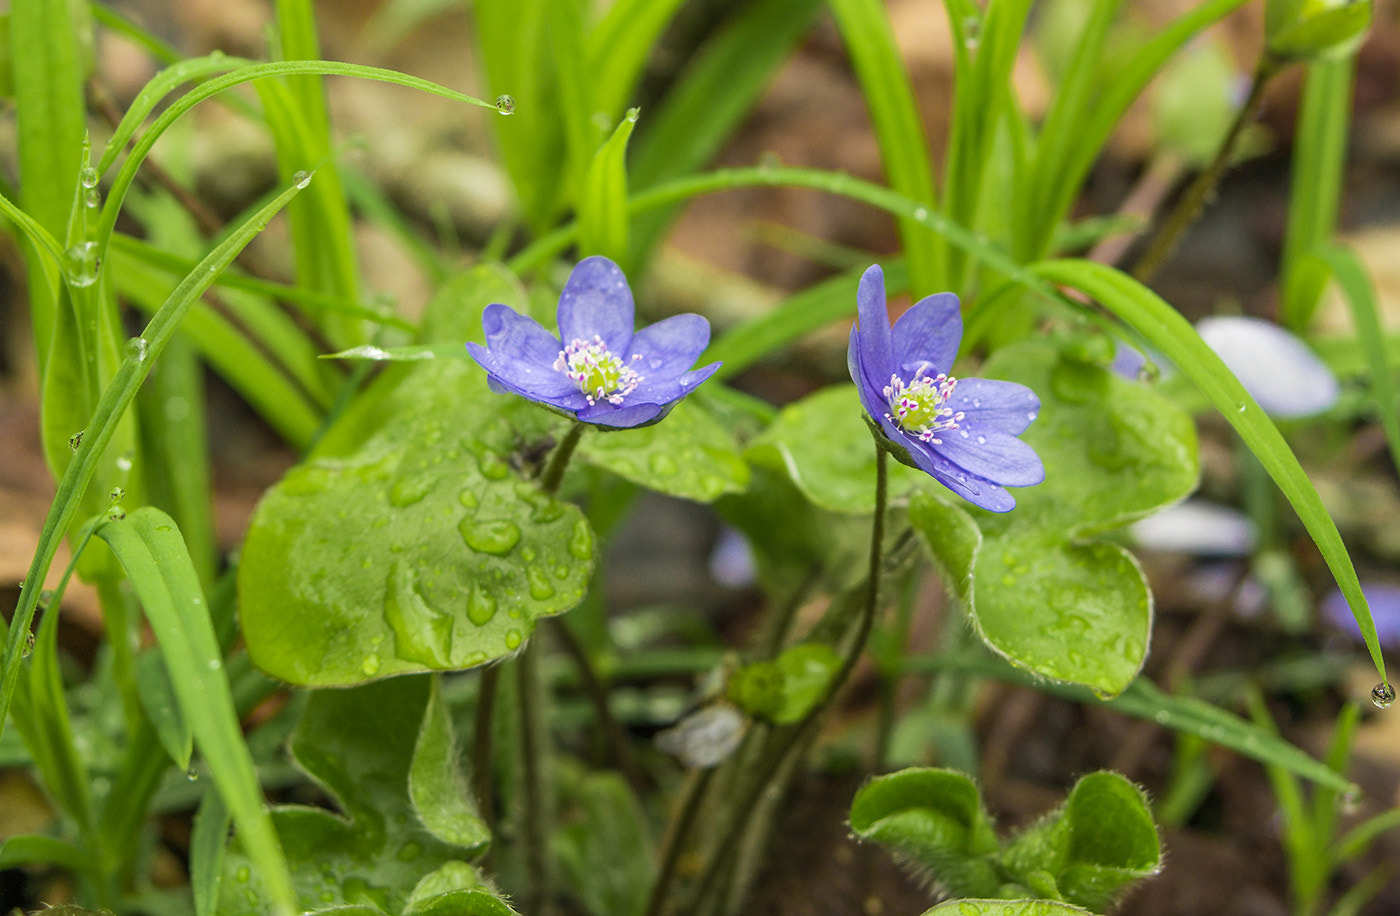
599,373
917,408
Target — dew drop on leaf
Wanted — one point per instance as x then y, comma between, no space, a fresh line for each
513,639
481,607
497,538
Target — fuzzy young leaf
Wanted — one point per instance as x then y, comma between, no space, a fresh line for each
934,819
1006,908
366,747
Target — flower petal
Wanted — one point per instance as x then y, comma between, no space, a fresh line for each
625,416
597,300
668,347
528,379
991,405
513,337
993,456
927,336
658,389
873,332
870,394
976,490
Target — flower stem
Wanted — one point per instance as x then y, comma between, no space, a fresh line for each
481,746
766,776
1189,207
538,898
686,808
559,460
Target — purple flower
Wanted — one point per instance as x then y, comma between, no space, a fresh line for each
962,431
598,370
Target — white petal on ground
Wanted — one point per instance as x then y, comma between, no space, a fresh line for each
1283,375
1199,528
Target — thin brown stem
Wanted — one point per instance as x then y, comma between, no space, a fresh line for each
613,733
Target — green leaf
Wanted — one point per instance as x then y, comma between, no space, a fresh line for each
1005,908
1169,332
423,550
602,203
1310,29
787,688
603,844
690,454
1102,841
934,819
1036,590
364,746
436,784
823,444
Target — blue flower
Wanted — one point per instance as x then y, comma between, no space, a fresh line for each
597,370
961,431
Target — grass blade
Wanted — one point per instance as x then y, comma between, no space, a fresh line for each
602,204
1165,328
869,37
151,550
116,398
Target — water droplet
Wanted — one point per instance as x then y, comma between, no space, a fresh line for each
88,177
117,494
497,537
136,348
581,542
921,213
493,467
124,462
214,664
422,633
370,666
513,639
301,179
981,440
541,588
561,572
243,874
1242,408
80,264
93,199
409,490
663,464
481,606
192,774
28,645
1031,415
468,498
75,440
1382,695
116,515
505,104
632,114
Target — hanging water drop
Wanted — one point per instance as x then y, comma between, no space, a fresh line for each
80,264
136,348
505,104
117,494
28,645
75,440
632,114
1382,695
45,598
116,515
93,199
88,177
301,179
192,774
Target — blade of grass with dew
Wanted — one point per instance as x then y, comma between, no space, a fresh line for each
126,174
1059,131
208,840
1360,294
869,37
259,376
1145,700
716,92
151,550
804,312
1172,335
116,398
1092,129
50,125
618,48
603,219
170,263
323,246
1319,159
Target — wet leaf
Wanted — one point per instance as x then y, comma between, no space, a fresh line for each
366,747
